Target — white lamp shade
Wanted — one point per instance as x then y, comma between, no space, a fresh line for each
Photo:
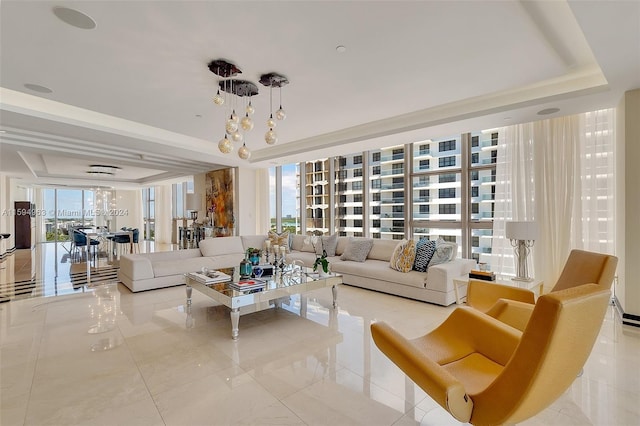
193,202
524,230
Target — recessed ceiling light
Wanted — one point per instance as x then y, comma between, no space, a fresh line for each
38,88
548,111
74,18
341,49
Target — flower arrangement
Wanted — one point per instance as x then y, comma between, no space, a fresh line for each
254,255
321,260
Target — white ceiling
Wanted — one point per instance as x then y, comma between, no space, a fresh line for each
135,92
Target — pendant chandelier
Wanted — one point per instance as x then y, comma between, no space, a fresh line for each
237,93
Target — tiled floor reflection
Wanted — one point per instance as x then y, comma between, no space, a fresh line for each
107,356
77,348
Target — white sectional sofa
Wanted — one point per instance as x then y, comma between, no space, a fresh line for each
434,286
148,271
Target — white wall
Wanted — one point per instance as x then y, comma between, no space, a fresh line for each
631,154
130,202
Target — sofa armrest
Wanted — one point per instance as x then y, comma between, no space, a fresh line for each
482,295
136,267
511,312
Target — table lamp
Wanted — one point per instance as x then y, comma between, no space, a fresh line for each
193,204
522,235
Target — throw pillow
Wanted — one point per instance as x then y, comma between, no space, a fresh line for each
403,256
357,249
445,252
281,239
425,248
327,243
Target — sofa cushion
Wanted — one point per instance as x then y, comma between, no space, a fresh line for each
342,244
357,249
328,243
254,241
220,245
445,252
403,256
297,241
382,249
379,271
281,239
424,252
307,245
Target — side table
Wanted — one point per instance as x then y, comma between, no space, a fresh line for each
537,285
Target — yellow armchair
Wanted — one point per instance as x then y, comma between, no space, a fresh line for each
484,372
514,306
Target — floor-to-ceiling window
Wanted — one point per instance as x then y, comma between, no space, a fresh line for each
447,192
65,208
149,212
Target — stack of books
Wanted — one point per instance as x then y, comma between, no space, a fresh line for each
210,278
248,284
482,275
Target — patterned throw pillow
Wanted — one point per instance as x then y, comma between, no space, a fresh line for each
357,249
403,256
445,252
281,239
425,248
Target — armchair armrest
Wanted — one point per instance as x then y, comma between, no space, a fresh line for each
445,389
482,295
512,312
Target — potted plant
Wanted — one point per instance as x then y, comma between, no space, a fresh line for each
321,264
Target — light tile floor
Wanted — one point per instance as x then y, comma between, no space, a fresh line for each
107,356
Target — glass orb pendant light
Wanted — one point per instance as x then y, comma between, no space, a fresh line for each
271,123
225,146
250,109
237,136
270,137
231,126
244,152
246,123
234,116
218,99
280,113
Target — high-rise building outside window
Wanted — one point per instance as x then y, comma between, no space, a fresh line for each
371,196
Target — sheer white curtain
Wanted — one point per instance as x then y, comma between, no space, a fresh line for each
594,228
558,172
163,213
514,175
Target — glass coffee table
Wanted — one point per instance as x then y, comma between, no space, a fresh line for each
278,286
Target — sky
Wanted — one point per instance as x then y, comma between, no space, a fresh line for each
288,190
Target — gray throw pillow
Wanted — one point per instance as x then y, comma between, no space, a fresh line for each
357,249
329,244
445,252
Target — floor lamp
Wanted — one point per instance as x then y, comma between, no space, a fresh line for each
522,236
